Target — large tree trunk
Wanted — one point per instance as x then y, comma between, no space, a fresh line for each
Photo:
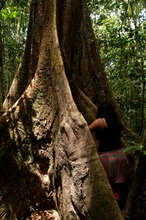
48,157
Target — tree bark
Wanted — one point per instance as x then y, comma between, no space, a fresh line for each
1,70
135,207
48,157
142,98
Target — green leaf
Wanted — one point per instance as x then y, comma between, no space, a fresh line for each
131,148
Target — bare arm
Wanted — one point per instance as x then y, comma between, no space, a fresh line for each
98,123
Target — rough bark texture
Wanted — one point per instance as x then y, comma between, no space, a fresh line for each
82,63
79,62
48,158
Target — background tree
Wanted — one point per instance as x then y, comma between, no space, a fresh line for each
120,32
14,21
1,70
1,59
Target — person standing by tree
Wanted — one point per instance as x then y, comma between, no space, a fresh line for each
108,132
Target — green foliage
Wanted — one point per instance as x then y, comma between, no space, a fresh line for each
139,148
10,13
120,30
2,3
135,148
14,22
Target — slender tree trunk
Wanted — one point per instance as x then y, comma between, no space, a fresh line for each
142,99
135,207
1,71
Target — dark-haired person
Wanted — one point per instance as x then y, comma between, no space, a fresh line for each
108,132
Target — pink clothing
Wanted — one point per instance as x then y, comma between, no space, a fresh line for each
117,196
116,165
